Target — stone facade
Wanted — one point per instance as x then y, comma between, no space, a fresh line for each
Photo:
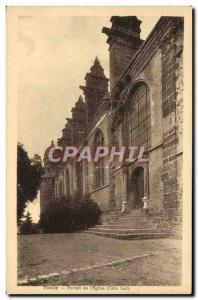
144,107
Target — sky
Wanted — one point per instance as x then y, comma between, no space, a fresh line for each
55,53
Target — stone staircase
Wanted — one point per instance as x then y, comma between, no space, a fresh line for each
131,225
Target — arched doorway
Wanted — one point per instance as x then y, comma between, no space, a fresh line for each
138,187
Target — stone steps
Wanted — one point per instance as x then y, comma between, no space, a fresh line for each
129,226
136,218
123,226
138,213
130,213
131,236
134,225
132,222
122,230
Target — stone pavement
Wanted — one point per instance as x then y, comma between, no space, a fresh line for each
67,259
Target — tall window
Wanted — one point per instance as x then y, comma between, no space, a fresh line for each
99,165
67,183
79,176
139,117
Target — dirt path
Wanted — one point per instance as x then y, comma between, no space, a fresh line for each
40,255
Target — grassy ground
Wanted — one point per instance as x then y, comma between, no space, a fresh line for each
45,254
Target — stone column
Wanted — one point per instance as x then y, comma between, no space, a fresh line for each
111,138
146,182
125,204
145,199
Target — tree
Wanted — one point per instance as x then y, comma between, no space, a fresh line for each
27,224
29,173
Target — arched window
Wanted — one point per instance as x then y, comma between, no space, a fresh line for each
79,177
139,116
67,183
99,165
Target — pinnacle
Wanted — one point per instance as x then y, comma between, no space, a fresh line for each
80,99
97,68
96,61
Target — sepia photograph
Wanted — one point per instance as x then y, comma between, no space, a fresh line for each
99,143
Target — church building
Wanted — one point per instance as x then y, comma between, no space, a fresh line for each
141,104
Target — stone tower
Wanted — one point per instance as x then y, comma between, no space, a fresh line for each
124,40
47,189
95,89
74,131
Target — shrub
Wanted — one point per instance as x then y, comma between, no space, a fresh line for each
70,215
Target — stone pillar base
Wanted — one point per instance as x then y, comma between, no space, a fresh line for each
145,200
125,207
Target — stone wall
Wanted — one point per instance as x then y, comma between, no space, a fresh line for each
152,75
179,113
161,69
101,197
172,116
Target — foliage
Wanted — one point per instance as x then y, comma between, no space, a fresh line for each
29,173
70,215
27,226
